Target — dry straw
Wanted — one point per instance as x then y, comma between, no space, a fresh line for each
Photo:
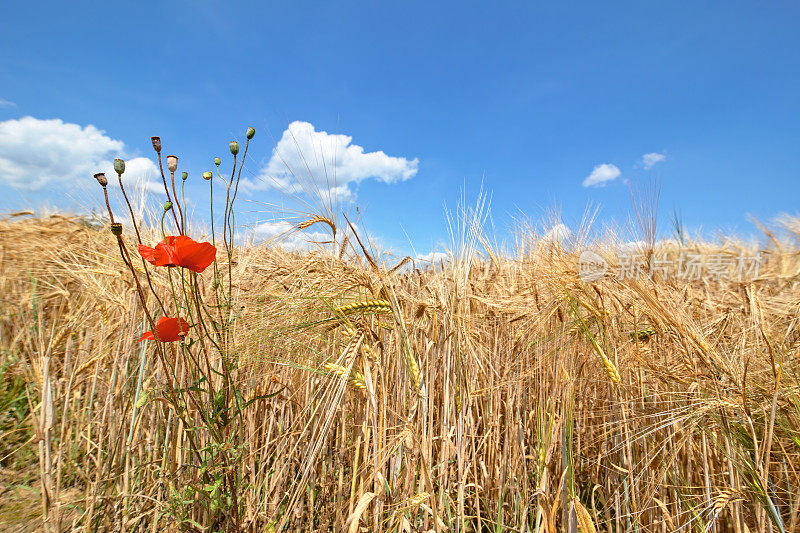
504,394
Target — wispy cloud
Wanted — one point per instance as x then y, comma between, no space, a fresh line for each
557,234
6,103
52,154
433,257
602,174
327,162
651,159
282,233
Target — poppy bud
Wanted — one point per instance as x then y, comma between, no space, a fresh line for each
250,133
217,161
184,176
234,147
156,143
167,205
172,163
116,229
206,176
119,166
101,179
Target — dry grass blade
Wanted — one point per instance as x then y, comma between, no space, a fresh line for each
361,398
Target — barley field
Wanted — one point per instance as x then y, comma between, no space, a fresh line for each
343,390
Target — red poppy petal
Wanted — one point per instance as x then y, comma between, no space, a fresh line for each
168,329
196,256
164,255
147,253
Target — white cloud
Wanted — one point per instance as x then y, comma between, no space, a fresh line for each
601,174
433,257
327,162
651,159
6,103
557,234
283,234
37,154
633,246
140,172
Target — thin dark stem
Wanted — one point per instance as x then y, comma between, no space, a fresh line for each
130,209
239,177
225,230
166,189
139,238
183,201
108,206
180,211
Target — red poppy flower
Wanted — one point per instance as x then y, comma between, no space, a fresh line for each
180,251
169,330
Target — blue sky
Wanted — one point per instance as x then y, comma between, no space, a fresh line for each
528,98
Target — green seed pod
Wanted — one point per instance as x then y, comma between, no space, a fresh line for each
116,229
207,175
184,176
250,133
167,205
234,146
101,179
119,166
217,161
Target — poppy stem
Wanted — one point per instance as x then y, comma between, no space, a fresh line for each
236,189
166,189
183,201
108,206
122,246
213,235
225,236
180,211
163,231
130,209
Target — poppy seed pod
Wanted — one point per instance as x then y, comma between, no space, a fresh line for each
250,133
167,205
156,143
234,147
101,179
184,176
116,229
217,161
172,163
206,176
119,166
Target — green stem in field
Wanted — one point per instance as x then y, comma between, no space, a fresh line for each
163,231
183,201
169,270
228,241
216,283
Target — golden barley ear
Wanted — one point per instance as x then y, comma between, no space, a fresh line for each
402,262
317,220
366,307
